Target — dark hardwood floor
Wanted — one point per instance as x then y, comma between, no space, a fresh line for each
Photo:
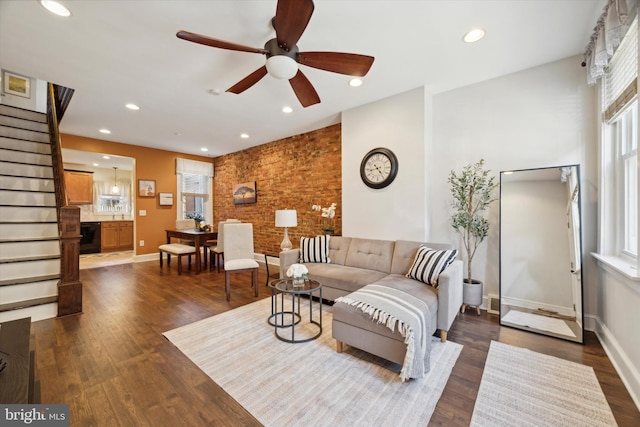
113,366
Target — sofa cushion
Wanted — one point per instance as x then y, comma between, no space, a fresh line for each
338,248
314,249
370,254
347,279
429,263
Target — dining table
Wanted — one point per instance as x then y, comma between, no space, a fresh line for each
197,237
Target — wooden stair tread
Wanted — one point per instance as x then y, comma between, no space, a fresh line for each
28,303
32,279
28,259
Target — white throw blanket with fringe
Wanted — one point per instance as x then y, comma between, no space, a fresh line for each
391,307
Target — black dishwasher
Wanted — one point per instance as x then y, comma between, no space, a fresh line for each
90,241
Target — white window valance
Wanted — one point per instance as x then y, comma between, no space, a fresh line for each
607,35
194,167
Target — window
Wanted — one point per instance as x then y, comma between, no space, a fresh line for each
194,190
625,160
619,153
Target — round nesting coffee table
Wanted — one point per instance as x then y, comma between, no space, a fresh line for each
282,319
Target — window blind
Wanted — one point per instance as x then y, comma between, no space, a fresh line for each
621,78
194,167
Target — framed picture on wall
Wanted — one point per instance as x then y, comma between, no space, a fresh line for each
146,188
166,199
244,193
15,84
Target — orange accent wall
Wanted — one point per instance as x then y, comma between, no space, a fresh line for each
151,163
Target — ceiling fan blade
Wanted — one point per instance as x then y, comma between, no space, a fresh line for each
208,41
248,81
292,17
304,90
351,64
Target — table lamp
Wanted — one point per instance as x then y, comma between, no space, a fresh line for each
286,218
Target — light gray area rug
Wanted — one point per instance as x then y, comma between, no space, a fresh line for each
309,384
520,387
536,321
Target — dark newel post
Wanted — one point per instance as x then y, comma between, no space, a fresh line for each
69,286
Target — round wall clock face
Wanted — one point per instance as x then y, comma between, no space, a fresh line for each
379,168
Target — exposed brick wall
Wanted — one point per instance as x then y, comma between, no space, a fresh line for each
292,173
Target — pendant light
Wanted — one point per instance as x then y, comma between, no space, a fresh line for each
115,189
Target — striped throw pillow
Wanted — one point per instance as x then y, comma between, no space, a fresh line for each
314,249
429,263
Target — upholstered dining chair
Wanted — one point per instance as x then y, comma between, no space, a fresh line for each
218,248
181,248
238,254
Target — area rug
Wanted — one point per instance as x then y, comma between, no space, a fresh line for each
309,384
535,321
520,387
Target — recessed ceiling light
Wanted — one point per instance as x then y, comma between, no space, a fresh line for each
204,149
107,131
244,135
355,82
106,157
474,35
286,109
55,7
132,107
96,164
177,134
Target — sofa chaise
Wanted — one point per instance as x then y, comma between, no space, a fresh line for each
354,263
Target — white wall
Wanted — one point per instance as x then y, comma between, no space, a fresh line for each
398,211
540,117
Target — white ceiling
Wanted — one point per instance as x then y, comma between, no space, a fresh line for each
116,52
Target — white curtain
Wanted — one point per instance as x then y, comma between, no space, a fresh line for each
607,35
194,167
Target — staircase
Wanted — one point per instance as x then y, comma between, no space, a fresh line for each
29,238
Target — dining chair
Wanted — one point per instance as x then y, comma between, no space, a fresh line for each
239,255
218,249
181,248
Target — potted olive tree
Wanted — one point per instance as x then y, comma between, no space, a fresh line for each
472,190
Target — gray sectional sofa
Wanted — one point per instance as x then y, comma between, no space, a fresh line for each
356,262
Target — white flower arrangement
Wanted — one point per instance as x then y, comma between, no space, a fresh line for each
327,214
297,271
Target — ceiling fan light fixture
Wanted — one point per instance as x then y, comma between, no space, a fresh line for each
282,67
474,35
56,8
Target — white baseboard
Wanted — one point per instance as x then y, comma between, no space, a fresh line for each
621,362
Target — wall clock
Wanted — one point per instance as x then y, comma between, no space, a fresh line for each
378,168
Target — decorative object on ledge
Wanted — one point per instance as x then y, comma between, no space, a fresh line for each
299,273
146,188
244,193
327,218
286,218
166,199
15,84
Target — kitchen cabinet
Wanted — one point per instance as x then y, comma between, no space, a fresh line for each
116,235
79,187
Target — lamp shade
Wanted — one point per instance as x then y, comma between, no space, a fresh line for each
286,218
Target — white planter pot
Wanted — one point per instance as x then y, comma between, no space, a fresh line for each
472,295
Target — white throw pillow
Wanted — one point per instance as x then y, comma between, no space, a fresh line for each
314,249
429,263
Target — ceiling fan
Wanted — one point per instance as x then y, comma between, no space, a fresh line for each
283,56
